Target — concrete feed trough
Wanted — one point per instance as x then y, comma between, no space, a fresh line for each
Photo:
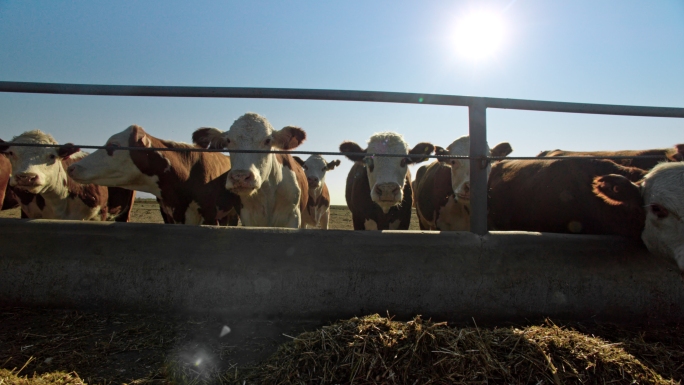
278,274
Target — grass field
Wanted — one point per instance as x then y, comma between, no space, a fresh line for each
147,211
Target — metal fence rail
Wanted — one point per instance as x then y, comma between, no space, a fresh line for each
477,107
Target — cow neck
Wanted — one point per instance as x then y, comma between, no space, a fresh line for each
316,193
171,168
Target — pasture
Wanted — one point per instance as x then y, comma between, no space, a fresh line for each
147,211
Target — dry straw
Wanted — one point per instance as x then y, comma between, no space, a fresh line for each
378,350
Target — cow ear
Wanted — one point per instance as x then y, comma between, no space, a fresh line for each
209,137
616,190
678,156
299,160
139,137
332,164
420,149
288,138
441,151
66,150
502,149
352,147
4,146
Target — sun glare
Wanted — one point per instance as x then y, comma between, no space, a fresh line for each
479,34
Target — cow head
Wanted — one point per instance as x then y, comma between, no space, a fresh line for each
386,176
660,195
677,155
116,168
315,169
460,168
37,169
250,132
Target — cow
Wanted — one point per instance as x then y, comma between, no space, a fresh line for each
188,184
442,188
378,192
318,206
7,197
44,190
272,187
673,154
591,197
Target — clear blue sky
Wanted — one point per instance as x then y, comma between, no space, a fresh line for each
615,52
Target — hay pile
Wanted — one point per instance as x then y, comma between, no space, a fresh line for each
12,377
378,350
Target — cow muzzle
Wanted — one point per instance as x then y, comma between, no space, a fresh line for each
241,181
313,182
388,192
27,181
463,194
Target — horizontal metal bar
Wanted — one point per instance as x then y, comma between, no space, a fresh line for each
364,154
343,95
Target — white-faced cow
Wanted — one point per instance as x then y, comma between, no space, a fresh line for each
442,188
44,189
318,206
272,187
672,154
188,184
591,197
378,191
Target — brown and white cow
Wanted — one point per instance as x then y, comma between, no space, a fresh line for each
318,206
673,154
272,187
188,185
44,190
7,197
442,188
591,197
379,192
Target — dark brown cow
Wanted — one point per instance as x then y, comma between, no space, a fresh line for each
44,190
439,204
189,185
378,191
558,196
673,154
592,197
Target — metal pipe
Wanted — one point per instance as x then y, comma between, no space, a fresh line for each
477,115
346,95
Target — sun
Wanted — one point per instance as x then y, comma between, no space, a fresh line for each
479,34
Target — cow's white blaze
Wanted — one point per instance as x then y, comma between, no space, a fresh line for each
116,169
460,168
662,190
386,176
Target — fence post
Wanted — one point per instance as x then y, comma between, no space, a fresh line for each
477,112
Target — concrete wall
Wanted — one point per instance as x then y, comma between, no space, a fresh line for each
277,274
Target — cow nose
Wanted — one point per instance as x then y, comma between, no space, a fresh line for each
241,176
312,180
27,178
387,191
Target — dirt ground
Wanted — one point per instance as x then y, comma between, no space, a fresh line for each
147,211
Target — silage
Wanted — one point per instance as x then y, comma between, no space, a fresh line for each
379,350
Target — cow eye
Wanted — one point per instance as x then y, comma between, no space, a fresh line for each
455,163
369,163
404,161
267,142
659,211
53,156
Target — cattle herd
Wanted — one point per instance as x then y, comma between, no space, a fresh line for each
636,197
